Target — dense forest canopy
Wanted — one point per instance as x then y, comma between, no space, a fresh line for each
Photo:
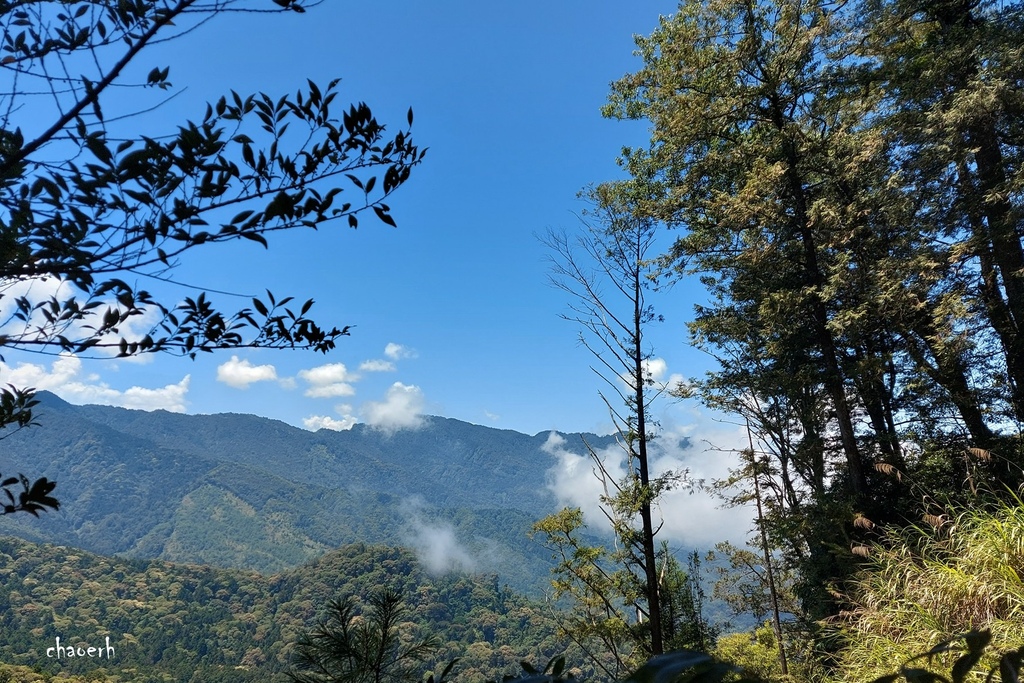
845,179
201,624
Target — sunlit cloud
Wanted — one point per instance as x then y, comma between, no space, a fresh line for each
334,390
655,368
347,421
170,397
241,373
402,408
329,381
315,422
66,378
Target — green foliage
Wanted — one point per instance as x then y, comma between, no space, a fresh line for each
925,584
200,624
737,662
845,180
607,271
757,653
686,666
743,584
607,598
964,667
602,594
553,672
349,647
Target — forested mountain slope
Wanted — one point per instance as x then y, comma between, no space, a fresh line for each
249,492
169,622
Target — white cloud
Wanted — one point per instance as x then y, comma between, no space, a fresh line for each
65,378
377,366
315,422
347,421
435,543
241,373
331,390
397,351
554,443
690,516
676,382
401,408
574,478
328,381
493,417
62,371
170,397
655,368
35,290
327,374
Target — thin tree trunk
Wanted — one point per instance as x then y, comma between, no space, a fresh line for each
772,591
639,377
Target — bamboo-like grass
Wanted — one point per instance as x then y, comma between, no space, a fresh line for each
931,582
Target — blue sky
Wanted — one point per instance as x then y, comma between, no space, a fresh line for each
452,311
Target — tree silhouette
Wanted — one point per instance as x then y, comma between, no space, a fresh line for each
349,647
89,207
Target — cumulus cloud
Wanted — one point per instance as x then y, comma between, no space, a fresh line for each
690,516
376,366
435,543
62,371
347,421
397,351
328,381
241,373
316,422
655,368
402,408
65,377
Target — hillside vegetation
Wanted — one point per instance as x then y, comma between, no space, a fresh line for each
170,622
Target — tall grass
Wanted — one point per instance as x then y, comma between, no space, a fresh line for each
931,582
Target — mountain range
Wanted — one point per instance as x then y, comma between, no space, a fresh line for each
248,492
